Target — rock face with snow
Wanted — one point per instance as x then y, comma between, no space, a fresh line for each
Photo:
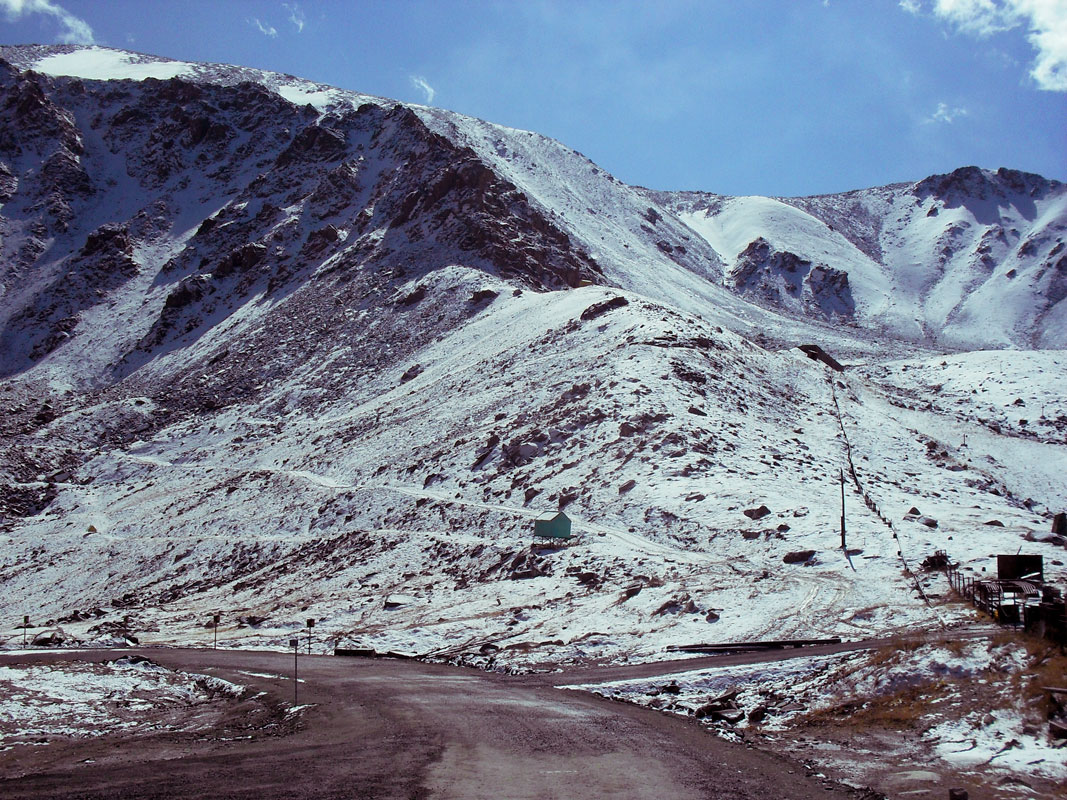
280,348
969,260
784,280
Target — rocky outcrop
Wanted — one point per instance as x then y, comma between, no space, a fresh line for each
975,183
783,279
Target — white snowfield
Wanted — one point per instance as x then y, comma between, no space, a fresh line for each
105,64
81,699
295,392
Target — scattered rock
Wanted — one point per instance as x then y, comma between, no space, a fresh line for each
995,523
412,372
756,513
758,714
52,638
416,296
799,557
603,307
938,561
728,715
398,600
627,486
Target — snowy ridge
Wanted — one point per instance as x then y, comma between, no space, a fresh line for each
974,259
109,64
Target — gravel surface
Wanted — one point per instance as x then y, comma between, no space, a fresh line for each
401,729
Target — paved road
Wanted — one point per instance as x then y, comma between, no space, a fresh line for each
408,730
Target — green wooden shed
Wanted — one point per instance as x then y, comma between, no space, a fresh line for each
553,525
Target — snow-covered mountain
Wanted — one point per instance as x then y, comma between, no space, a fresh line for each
281,350
973,259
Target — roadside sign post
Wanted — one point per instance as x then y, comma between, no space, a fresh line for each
311,624
25,625
215,626
295,644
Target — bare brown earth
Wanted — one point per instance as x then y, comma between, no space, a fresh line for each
402,729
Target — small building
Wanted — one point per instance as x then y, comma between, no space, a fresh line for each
816,353
553,525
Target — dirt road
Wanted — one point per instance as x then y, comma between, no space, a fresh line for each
403,729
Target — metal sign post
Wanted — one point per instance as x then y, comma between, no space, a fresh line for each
311,624
215,644
293,643
25,625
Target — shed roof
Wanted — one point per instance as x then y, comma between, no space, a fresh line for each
548,516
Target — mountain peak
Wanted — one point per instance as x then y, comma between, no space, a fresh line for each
977,183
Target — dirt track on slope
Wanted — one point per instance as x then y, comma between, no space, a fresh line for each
406,730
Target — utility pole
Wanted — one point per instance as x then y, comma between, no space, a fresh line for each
842,473
295,644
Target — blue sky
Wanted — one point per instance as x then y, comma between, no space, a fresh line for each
775,97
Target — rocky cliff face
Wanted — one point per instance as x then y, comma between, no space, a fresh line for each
784,280
253,194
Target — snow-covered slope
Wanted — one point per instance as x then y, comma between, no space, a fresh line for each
973,259
284,351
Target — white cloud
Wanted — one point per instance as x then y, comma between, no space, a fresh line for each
1046,21
1048,35
73,30
420,83
945,113
978,17
266,30
296,16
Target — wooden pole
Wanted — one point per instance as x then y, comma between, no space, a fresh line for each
842,474
295,644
